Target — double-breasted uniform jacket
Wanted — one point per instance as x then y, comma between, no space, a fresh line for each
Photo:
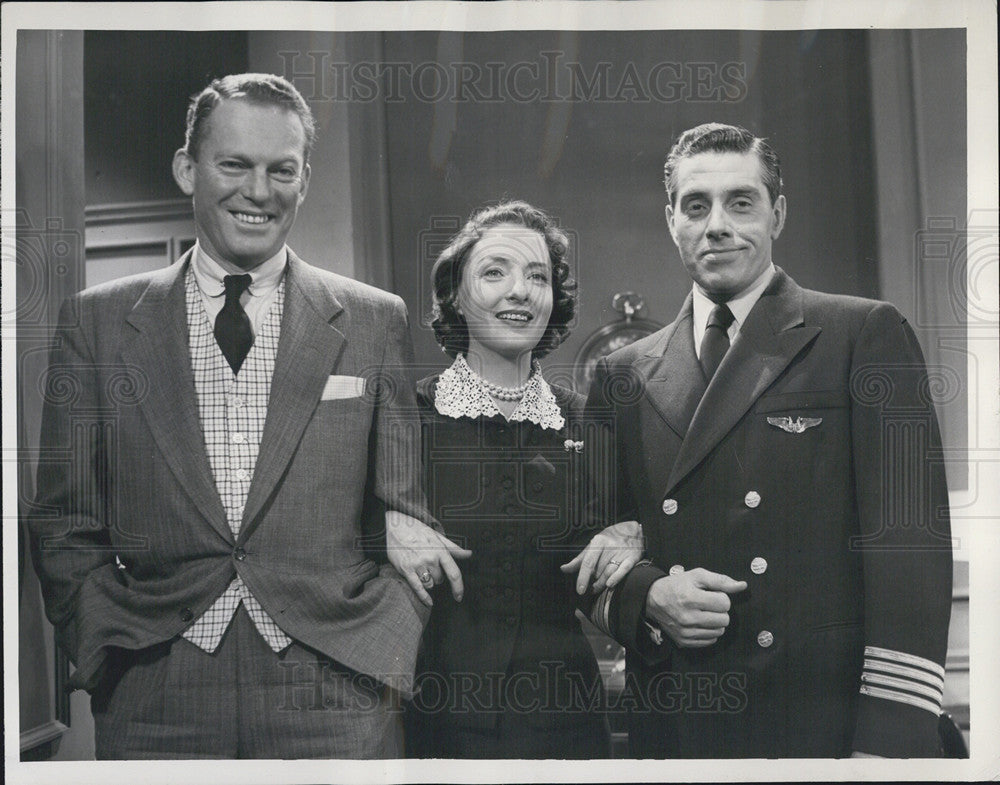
129,535
512,493
810,468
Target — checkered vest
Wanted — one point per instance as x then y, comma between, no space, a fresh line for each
232,409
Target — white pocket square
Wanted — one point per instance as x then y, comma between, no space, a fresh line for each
798,425
343,387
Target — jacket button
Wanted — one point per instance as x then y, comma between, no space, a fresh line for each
537,487
677,569
239,554
669,506
186,614
506,566
752,499
511,621
758,566
764,639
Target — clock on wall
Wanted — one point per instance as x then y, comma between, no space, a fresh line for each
612,336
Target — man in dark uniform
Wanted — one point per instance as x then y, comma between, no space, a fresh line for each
777,445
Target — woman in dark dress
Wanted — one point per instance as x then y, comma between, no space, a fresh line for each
506,671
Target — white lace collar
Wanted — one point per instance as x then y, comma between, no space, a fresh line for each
461,393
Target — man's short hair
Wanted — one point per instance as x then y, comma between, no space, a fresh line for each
720,138
266,89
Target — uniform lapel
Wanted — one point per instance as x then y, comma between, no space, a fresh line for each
158,349
308,348
771,337
674,382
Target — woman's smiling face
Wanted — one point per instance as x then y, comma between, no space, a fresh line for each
505,294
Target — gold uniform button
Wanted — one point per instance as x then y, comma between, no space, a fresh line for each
752,499
764,639
676,570
758,566
669,506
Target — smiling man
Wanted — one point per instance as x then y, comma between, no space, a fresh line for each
228,450
778,447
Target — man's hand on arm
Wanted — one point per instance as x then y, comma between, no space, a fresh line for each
692,607
415,550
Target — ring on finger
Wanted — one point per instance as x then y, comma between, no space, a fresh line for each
425,578
616,563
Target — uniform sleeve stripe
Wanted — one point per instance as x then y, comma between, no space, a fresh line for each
599,614
902,685
903,672
903,658
901,697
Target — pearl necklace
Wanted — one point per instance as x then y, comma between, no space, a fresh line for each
510,393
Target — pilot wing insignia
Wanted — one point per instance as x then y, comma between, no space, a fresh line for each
798,425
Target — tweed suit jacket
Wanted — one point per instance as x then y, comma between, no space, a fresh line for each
810,467
129,536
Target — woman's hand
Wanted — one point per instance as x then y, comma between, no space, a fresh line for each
423,556
608,556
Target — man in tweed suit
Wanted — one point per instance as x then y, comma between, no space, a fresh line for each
796,596
227,435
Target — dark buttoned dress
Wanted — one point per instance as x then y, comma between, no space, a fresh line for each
507,672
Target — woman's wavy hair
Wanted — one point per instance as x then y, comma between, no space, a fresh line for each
449,325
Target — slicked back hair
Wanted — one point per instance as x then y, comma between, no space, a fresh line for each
264,89
720,138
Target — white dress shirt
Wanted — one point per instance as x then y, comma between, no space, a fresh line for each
740,305
256,300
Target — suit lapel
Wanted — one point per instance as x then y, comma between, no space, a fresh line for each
674,381
771,337
158,349
308,348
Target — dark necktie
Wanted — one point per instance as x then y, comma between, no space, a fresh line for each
715,342
232,325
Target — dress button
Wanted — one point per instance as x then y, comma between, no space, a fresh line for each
764,639
677,569
508,593
510,509
509,539
752,499
511,621
506,566
758,566
508,483
186,614
239,554
242,474
239,438
537,487
669,506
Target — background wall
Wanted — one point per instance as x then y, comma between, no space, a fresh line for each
417,129
597,163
